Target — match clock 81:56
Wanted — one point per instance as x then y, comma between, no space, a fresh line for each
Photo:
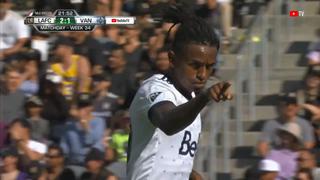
65,20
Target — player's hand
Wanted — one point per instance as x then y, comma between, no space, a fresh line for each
220,91
84,124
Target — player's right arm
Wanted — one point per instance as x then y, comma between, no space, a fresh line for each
171,118
84,74
263,146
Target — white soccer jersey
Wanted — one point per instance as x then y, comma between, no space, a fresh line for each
12,28
153,154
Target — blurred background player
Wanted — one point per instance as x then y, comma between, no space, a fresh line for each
31,152
10,167
105,103
31,69
304,174
288,109
74,69
39,126
56,164
269,169
95,167
122,77
287,150
13,33
11,94
55,106
82,131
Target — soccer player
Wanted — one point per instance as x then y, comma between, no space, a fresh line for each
164,114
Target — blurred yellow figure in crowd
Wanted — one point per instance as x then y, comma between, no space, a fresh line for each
74,69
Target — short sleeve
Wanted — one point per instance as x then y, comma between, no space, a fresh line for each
307,132
266,133
159,94
154,90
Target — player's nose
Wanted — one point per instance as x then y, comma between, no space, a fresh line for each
202,73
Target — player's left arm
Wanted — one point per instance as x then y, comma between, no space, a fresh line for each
16,48
83,74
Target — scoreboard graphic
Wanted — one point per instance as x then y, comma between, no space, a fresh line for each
70,20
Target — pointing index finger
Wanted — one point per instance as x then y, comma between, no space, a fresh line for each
225,86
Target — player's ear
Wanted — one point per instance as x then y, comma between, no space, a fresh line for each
172,58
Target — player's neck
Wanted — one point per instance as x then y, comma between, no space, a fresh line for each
118,70
67,61
178,86
80,39
11,169
102,93
33,77
312,90
55,171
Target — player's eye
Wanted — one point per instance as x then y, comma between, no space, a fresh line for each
209,66
195,65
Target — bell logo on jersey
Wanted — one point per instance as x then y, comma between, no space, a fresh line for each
188,147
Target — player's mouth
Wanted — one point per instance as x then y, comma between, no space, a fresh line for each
198,85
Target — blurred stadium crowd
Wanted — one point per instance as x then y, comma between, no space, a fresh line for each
64,96
289,144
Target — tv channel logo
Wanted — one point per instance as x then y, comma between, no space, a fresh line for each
296,13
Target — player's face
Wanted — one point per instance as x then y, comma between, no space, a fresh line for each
31,67
116,59
288,111
313,81
269,176
306,160
93,165
4,6
193,67
61,50
302,176
13,80
9,161
286,140
53,158
132,31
